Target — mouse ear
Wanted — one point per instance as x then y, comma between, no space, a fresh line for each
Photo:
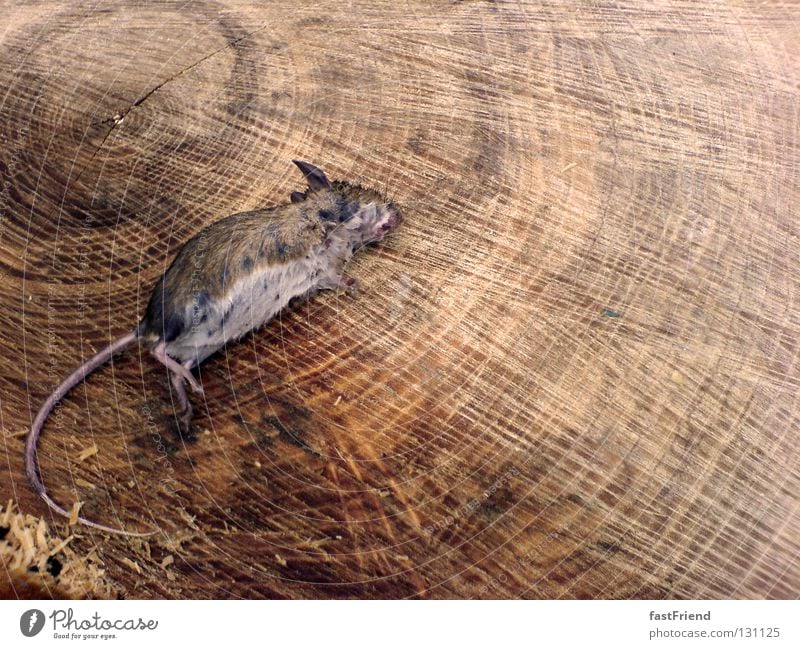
315,178
297,197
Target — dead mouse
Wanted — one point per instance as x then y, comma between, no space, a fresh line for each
231,278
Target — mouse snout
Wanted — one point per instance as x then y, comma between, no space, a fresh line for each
378,221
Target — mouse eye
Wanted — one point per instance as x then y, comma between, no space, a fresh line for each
326,215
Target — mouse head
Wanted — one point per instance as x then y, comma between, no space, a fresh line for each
363,214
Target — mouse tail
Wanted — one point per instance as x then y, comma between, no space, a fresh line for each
31,464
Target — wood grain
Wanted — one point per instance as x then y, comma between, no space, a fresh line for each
572,372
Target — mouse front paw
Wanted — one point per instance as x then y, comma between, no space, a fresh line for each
349,284
340,283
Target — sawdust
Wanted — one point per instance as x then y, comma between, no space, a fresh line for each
39,565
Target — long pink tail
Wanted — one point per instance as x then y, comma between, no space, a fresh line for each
32,466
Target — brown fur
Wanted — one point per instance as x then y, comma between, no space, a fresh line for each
213,259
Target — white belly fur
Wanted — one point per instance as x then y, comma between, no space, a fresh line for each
252,301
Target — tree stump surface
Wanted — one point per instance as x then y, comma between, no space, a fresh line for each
572,372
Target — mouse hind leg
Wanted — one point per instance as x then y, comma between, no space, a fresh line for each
184,413
180,375
160,352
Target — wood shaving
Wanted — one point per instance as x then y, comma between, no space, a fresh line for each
131,564
73,514
87,453
41,534
37,565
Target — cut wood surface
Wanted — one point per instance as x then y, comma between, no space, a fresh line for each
571,372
